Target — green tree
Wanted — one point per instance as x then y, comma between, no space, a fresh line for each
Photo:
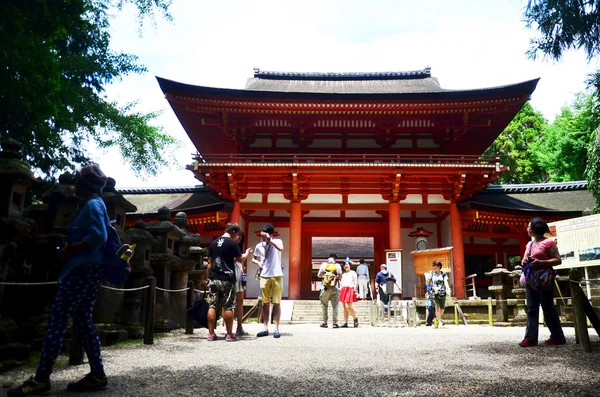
563,25
56,62
563,150
515,146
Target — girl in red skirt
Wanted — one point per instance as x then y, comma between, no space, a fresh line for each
348,294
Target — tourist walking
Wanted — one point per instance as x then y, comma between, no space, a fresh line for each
331,273
78,284
222,255
362,272
348,293
541,254
240,287
271,279
438,289
380,285
430,307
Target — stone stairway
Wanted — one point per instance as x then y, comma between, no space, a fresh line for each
311,312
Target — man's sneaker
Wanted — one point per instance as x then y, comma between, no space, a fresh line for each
276,334
212,337
88,383
436,323
262,333
231,338
30,387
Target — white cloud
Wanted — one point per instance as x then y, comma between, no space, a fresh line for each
468,44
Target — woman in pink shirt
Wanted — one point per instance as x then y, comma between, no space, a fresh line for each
541,253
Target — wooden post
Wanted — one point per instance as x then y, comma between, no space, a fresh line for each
458,252
578,310
455,315
295,251
76,348
150,311
189,323
490,312
591,315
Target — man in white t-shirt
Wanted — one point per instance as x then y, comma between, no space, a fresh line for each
271,278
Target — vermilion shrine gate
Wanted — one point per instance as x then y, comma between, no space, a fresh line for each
360,154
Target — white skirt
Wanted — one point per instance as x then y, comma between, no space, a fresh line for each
239,270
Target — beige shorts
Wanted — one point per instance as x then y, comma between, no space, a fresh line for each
271,288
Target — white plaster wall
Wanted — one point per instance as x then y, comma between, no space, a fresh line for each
437,199
366,199
412,199
323,214
277,198
323,199
362,214
362,143
253,286
252,198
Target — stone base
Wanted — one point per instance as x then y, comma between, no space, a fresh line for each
134,331
503,324
110,334
165,325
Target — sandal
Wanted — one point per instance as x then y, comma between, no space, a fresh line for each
335,326
324,325
344,325
355,322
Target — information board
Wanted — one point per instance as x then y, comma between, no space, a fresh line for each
578,241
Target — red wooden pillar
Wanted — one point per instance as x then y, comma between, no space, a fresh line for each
295,245
236,213
395,226
458,252
523,240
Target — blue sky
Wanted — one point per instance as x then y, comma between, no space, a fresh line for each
468,44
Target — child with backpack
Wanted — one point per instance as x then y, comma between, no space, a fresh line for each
439,288
331,273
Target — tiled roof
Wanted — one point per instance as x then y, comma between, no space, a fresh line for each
405,75
162,190
538,187
148,201
418,81
565,198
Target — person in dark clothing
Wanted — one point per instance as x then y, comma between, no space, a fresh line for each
223,253
79,280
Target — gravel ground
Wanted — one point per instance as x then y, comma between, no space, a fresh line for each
366,361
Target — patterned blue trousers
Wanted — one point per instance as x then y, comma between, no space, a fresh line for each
75,298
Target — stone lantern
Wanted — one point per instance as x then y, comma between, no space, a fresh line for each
499,287
420,235
116,205
163,259
140,271
519,292
15,178
180,274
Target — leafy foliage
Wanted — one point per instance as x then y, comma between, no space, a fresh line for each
515,146
564,25
593,168
56,60
563,151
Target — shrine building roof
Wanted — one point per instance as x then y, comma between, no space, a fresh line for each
417,81
562,197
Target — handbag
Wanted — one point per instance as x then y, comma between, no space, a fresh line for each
540,279
199,311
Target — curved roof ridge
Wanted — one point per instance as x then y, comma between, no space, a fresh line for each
162,190
399,75
537,187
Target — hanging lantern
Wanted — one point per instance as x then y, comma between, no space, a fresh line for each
420,236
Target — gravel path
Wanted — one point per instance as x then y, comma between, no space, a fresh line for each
366,361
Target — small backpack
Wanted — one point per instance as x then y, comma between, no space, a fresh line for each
330,277
116,270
